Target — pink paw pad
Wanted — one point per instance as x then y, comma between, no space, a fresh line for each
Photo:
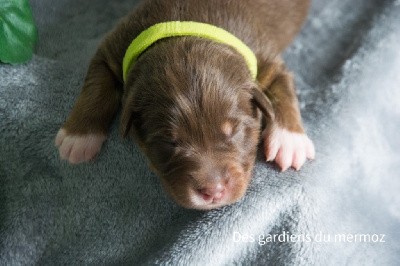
77,149
288,149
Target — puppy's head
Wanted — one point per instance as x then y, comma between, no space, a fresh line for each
195,111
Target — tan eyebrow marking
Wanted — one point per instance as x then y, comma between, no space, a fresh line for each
227,128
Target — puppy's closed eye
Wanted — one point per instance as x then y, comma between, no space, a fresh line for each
234,133
162,149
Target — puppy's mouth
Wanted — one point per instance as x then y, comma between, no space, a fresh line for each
206,190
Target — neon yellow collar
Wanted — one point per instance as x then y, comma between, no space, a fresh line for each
186,28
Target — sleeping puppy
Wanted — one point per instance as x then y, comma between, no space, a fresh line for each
192,103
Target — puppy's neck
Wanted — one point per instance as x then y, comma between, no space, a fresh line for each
170,29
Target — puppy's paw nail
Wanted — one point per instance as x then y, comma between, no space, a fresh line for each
310,149
61,134
288,149
78,148
271,151
284,157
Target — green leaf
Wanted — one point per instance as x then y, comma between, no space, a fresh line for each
18,33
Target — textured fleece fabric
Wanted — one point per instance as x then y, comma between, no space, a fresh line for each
337,210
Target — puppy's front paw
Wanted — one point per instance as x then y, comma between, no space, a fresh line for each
288,149
78,149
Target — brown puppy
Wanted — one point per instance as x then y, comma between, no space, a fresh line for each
191,103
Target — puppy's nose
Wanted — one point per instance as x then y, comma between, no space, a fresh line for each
213,192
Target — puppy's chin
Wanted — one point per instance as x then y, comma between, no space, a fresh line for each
187,196
197,202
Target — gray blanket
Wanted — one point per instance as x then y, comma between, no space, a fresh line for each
341,209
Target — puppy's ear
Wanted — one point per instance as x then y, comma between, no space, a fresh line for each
263,103
131,117
127,117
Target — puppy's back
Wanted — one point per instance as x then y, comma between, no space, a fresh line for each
267,26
